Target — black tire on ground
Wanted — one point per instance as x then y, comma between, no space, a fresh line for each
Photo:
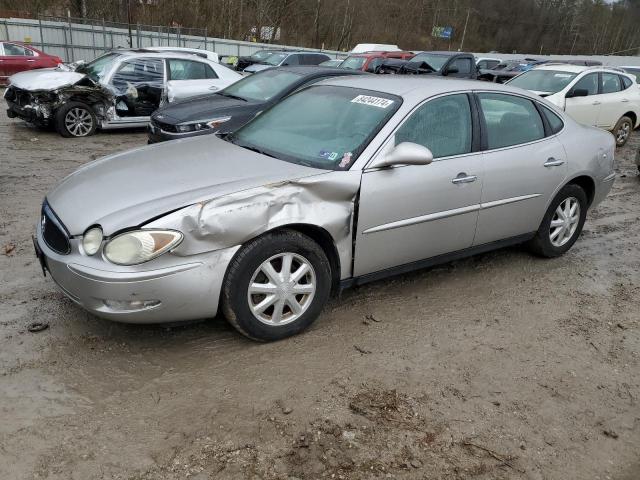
65,114
235,296
541,244
622,131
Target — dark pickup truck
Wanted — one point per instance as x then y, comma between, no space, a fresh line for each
446,64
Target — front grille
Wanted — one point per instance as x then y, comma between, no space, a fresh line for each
18,96
53,231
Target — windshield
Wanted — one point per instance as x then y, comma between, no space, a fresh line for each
353,63
275,58
434,61
323,126
548,81
262,86
261,55
98,68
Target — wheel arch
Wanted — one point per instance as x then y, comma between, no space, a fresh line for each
587,184
634,118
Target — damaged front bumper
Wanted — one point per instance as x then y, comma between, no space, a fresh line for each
28,107
172,289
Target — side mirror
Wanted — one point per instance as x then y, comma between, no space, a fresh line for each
578,92
406,153
451,69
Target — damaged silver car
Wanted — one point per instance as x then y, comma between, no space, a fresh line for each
343,182
117,90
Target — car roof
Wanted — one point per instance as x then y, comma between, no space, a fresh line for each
317,70
406,86
443,53
150,53
571,68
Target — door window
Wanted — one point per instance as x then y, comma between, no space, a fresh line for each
510,120
462,64
140,70
12,50
626,82
588,83
292,60
610,83
180,69
442,125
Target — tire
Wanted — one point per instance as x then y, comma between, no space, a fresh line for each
622,131
249,267
543,244
86,120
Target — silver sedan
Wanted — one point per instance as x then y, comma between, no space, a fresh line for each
347,181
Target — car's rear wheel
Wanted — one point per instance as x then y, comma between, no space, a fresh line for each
622,131
562,223
75,119
276,285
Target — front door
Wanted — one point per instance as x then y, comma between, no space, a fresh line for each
409,213
585,110
522,168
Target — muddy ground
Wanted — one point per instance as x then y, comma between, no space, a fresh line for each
502,366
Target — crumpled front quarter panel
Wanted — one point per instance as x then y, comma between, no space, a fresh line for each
326,201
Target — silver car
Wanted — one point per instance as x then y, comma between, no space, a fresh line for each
344,182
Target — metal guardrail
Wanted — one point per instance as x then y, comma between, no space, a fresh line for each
84,39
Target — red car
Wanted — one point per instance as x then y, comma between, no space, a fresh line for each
370,61
16,57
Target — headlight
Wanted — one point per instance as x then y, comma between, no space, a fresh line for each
195,127
91,240
140,246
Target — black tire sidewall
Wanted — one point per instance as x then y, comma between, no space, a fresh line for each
542,242
618,124
61,113
234,291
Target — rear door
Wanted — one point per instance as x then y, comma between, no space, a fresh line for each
409,213
585,110
189,78
523,165
613,100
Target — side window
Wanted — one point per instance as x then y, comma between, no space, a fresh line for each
555,122
610,83
12,50
292,60
463,65
626,82
510,120
374,64
180,69
483,64
138,71
588,83
442,125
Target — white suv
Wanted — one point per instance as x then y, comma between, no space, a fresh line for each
604,97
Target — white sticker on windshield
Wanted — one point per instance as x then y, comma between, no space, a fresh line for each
372,101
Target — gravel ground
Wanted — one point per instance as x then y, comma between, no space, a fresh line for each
502,366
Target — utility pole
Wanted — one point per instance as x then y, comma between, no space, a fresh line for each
464,32
129,23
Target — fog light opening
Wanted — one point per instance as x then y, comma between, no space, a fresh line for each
131,305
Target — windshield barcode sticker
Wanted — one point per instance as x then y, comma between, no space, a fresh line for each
372,101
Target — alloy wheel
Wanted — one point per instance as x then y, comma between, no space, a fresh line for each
281,289
564,222
623,133
78,121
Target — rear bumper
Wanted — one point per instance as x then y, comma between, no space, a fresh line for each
603,188
176,289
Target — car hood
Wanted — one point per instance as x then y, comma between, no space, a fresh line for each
257,67
130,188
203,108
45,79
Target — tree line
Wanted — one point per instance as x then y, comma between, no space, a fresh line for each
520,26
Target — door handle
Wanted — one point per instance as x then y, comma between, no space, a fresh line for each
464,178
596,103
625,100
214,88
552,162
30,60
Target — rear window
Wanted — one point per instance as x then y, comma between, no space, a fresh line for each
353,63
555,122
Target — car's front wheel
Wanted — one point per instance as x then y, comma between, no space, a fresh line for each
75,119
276,285
622,131
562,223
